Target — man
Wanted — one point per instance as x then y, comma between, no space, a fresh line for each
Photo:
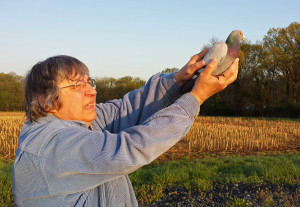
73,152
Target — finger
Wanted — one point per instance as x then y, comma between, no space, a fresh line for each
231,78
198,57
210,67
203,53
192,68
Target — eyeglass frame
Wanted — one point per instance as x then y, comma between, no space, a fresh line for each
91,82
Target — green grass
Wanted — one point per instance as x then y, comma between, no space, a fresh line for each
150,181
6,195
237,202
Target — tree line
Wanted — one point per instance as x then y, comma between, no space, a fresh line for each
11,94
268,79
268,82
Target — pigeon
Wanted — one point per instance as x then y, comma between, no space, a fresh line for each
223,52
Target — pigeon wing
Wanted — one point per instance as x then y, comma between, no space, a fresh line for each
224,65
218,51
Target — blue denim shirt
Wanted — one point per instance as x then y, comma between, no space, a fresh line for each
65,163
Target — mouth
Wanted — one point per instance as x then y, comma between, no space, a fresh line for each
90,105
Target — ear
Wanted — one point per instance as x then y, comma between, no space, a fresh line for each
52,111
43,104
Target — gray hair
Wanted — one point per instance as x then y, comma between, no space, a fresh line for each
40,85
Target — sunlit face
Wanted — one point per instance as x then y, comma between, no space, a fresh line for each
77,103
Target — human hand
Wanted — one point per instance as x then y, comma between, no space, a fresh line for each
207,84
187,71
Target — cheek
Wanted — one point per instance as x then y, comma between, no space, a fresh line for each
72,103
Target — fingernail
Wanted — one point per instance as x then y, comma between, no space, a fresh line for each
214,61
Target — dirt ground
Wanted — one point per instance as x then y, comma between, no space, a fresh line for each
181,150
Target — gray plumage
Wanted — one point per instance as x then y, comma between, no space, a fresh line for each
223,52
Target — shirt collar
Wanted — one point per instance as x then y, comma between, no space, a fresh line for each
50,118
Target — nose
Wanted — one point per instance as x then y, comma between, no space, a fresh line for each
90,90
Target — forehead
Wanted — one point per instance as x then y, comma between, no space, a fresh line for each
73,80
73,75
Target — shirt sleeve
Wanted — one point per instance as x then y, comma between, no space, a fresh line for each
136,106
77,159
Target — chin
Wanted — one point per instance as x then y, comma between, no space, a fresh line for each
92,118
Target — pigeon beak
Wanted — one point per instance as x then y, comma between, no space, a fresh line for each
243,38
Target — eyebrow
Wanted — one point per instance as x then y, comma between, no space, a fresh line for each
80,79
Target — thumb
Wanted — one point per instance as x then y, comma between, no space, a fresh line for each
210,67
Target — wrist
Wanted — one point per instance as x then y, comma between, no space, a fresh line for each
200,100
178,79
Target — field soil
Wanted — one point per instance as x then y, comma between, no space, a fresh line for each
233,194
181,150
241,194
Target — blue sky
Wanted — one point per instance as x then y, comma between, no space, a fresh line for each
135,38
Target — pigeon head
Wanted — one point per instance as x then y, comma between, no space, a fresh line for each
233,42
235,37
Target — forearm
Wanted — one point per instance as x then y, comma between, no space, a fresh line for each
159,132
138,105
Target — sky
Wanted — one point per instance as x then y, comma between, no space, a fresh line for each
129,38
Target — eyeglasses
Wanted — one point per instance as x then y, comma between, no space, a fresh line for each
80,85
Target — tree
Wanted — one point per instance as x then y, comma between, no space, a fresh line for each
268,80
11,94
105,89
111,88
212,41
283,46
169,70
127,84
